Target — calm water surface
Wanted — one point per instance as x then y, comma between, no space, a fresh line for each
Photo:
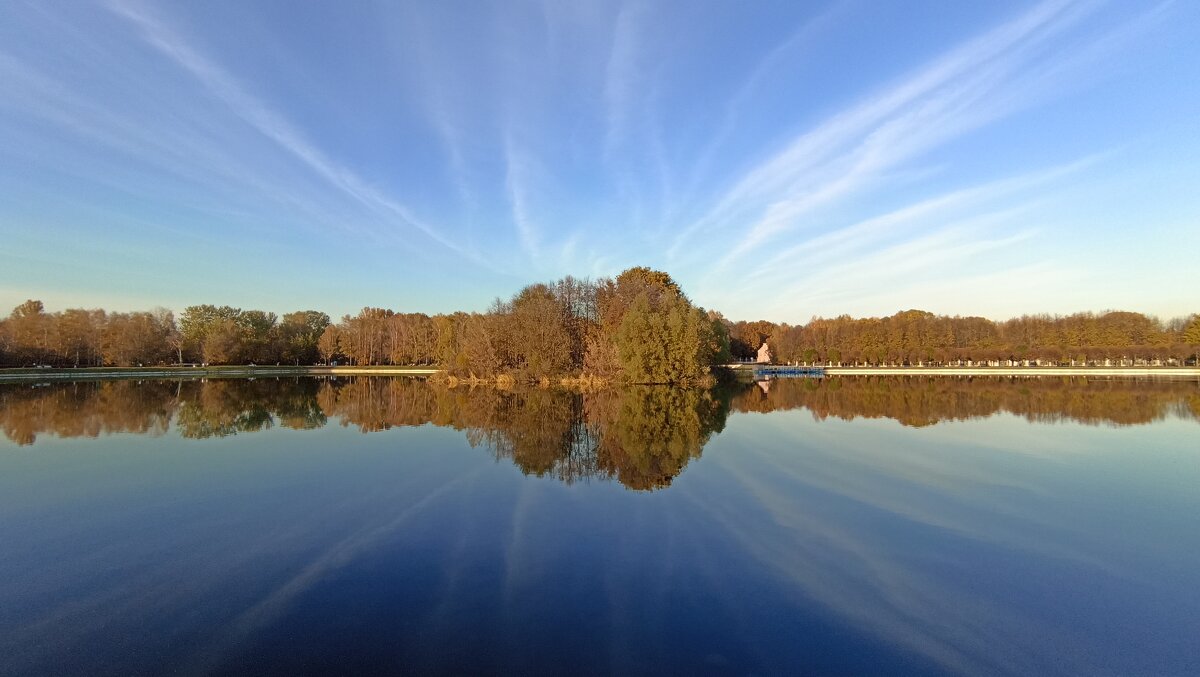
843,526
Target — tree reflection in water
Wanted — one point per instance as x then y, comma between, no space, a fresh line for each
643,437
646,435
927,400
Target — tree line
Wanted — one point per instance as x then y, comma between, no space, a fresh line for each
637,327
916,337
216,335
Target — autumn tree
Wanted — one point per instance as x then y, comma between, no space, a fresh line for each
1191,337
77,336
136,339
6,346
477,354
747,337
29,330
538,327
171,336
329,345
223,342
412,339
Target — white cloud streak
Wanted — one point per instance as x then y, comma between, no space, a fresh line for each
754,82
972,85
273,125
621,76
516,170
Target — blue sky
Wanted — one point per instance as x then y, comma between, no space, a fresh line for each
780,160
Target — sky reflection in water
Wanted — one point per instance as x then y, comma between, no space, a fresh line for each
848,525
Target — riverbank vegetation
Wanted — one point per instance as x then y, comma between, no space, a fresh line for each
638,327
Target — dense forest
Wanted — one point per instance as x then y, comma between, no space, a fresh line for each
638,327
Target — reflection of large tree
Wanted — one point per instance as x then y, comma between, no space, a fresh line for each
295,404
220,408
541,431
217,408
641,436
646,435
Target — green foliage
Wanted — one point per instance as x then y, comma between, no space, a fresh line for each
446,347
1191,333
299,333
641,345
673,343
717,343
200,322
646,435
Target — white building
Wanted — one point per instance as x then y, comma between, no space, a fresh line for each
764,354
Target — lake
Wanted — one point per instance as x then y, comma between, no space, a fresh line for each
854,525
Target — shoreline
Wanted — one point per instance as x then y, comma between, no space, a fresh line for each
90,373
87,373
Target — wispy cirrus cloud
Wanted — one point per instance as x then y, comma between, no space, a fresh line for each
274,125
797,214
547,138
621,75
733,108
845,155
868,235
159,148
516,182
